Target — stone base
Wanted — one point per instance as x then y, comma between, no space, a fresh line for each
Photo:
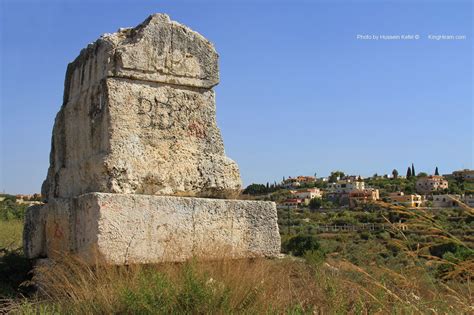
125,229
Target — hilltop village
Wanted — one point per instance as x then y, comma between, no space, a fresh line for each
341,191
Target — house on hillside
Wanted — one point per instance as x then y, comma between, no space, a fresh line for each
306,179
309,193
292,203
411,200
305,195
290,183
429,184
465,174
360,197
345,186
445,201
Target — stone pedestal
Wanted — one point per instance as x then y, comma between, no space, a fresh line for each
126,229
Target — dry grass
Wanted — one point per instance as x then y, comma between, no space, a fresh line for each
315,285
423,221
197,286
250,286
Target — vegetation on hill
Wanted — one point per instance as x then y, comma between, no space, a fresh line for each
10,210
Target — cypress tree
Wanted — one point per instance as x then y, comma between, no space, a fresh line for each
436,171
395,174
413,170
408,172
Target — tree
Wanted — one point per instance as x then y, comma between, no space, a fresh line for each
10,210
413,170
422,174
335,176
255,189
315,203
408,172
455,189
409,189
436,171
395,173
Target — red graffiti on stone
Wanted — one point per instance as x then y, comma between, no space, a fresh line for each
58,232
197,130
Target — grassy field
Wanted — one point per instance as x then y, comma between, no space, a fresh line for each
10,233
382,272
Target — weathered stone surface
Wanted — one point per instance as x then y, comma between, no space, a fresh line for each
34,231
137,129
139,116
126,229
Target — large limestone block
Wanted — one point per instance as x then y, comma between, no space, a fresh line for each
139,116
59,232
34,231
125,229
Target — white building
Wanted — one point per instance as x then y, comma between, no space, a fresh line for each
308,193
410,200
431,184
345,186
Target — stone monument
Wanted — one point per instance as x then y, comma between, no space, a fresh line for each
138,172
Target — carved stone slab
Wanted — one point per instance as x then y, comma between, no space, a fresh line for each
125,229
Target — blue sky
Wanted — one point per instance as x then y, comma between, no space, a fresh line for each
299,93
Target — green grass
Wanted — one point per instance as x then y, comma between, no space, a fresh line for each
11,234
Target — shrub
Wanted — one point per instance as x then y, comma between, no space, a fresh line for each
10,210
384,235
441,249
365,235
300,244
315,203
